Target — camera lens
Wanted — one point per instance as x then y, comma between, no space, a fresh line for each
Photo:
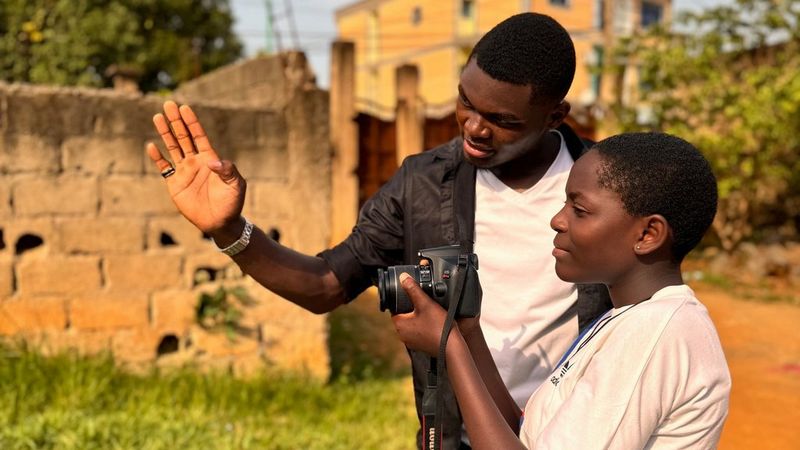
392,296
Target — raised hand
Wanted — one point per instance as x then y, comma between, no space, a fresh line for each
207,191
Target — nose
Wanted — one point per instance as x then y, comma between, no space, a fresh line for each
476,127
557,223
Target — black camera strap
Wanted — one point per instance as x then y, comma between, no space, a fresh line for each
433,398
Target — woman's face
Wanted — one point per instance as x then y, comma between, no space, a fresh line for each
595,236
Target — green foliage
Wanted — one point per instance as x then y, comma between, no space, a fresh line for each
222,309
75,42
726,79
68,402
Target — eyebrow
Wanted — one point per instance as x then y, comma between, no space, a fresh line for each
493,116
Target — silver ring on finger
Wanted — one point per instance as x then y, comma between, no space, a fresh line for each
168,172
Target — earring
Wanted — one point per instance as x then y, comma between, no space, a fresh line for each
638,247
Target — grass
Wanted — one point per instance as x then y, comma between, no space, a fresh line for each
72,402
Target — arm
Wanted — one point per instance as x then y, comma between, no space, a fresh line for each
210,194
487,426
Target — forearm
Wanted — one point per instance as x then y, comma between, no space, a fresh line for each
487,427
492,379
302,279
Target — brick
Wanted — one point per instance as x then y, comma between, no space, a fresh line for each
32,314
218,344
143,273
271,200
98,155
101,235
41,227
29,153
185,235
174,310
42,274
135,196
6,278
136,345
103,312
69,194
83,342
262,163
5,198
198,266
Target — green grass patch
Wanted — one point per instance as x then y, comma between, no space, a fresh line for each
71,402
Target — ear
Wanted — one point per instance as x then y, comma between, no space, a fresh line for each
656,235
558,114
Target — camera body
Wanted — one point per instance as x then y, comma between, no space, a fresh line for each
440,271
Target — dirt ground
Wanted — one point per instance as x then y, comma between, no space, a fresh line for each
761,340
762,343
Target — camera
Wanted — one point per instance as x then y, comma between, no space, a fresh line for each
439,272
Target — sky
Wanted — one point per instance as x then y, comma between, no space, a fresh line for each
313,28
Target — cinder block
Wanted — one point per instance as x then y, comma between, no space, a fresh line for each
6,278
69,194
136,345
102,311
32,314
174,310
100,235
273,200
185,235
45,275
135,196
29,153
40,227
5,198
97,155
143,273
213,265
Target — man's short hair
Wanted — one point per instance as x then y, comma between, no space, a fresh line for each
529,49
657,173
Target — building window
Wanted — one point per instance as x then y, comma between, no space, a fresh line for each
596,69
416,15
651,13
467,9
562,3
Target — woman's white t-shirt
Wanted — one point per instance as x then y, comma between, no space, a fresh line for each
652,375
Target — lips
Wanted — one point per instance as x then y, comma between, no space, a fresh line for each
558,251
476,150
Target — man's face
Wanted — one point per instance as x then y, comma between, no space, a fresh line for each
497,120
595,235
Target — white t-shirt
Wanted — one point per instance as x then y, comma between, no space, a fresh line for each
527,313
653,375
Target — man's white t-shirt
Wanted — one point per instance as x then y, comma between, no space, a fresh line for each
652,375
527,314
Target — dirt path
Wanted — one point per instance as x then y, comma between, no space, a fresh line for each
762,344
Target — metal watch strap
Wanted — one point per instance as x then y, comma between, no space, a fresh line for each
240,243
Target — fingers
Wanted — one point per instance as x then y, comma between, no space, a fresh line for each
196,130
179,129
155,156
414,292
175,152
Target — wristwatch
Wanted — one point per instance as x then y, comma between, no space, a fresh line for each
241,243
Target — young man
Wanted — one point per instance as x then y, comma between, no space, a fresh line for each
497,185
650,373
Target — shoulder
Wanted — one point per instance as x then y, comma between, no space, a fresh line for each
448,153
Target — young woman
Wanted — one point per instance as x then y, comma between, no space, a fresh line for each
650,373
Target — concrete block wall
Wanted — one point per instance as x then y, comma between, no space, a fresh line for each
94,256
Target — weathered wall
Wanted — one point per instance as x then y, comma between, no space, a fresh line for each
93,254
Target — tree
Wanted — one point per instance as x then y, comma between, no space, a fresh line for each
727,80
76,42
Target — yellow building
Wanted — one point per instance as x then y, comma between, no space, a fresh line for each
437,36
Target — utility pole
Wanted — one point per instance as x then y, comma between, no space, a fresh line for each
271,32
292,26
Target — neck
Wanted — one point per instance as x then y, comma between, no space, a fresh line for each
642,285
522,173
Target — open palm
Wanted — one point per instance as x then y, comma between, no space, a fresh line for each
207,191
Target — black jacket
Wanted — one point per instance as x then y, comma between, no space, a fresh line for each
429,202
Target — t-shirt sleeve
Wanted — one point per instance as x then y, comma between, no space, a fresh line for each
637,381
376,240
